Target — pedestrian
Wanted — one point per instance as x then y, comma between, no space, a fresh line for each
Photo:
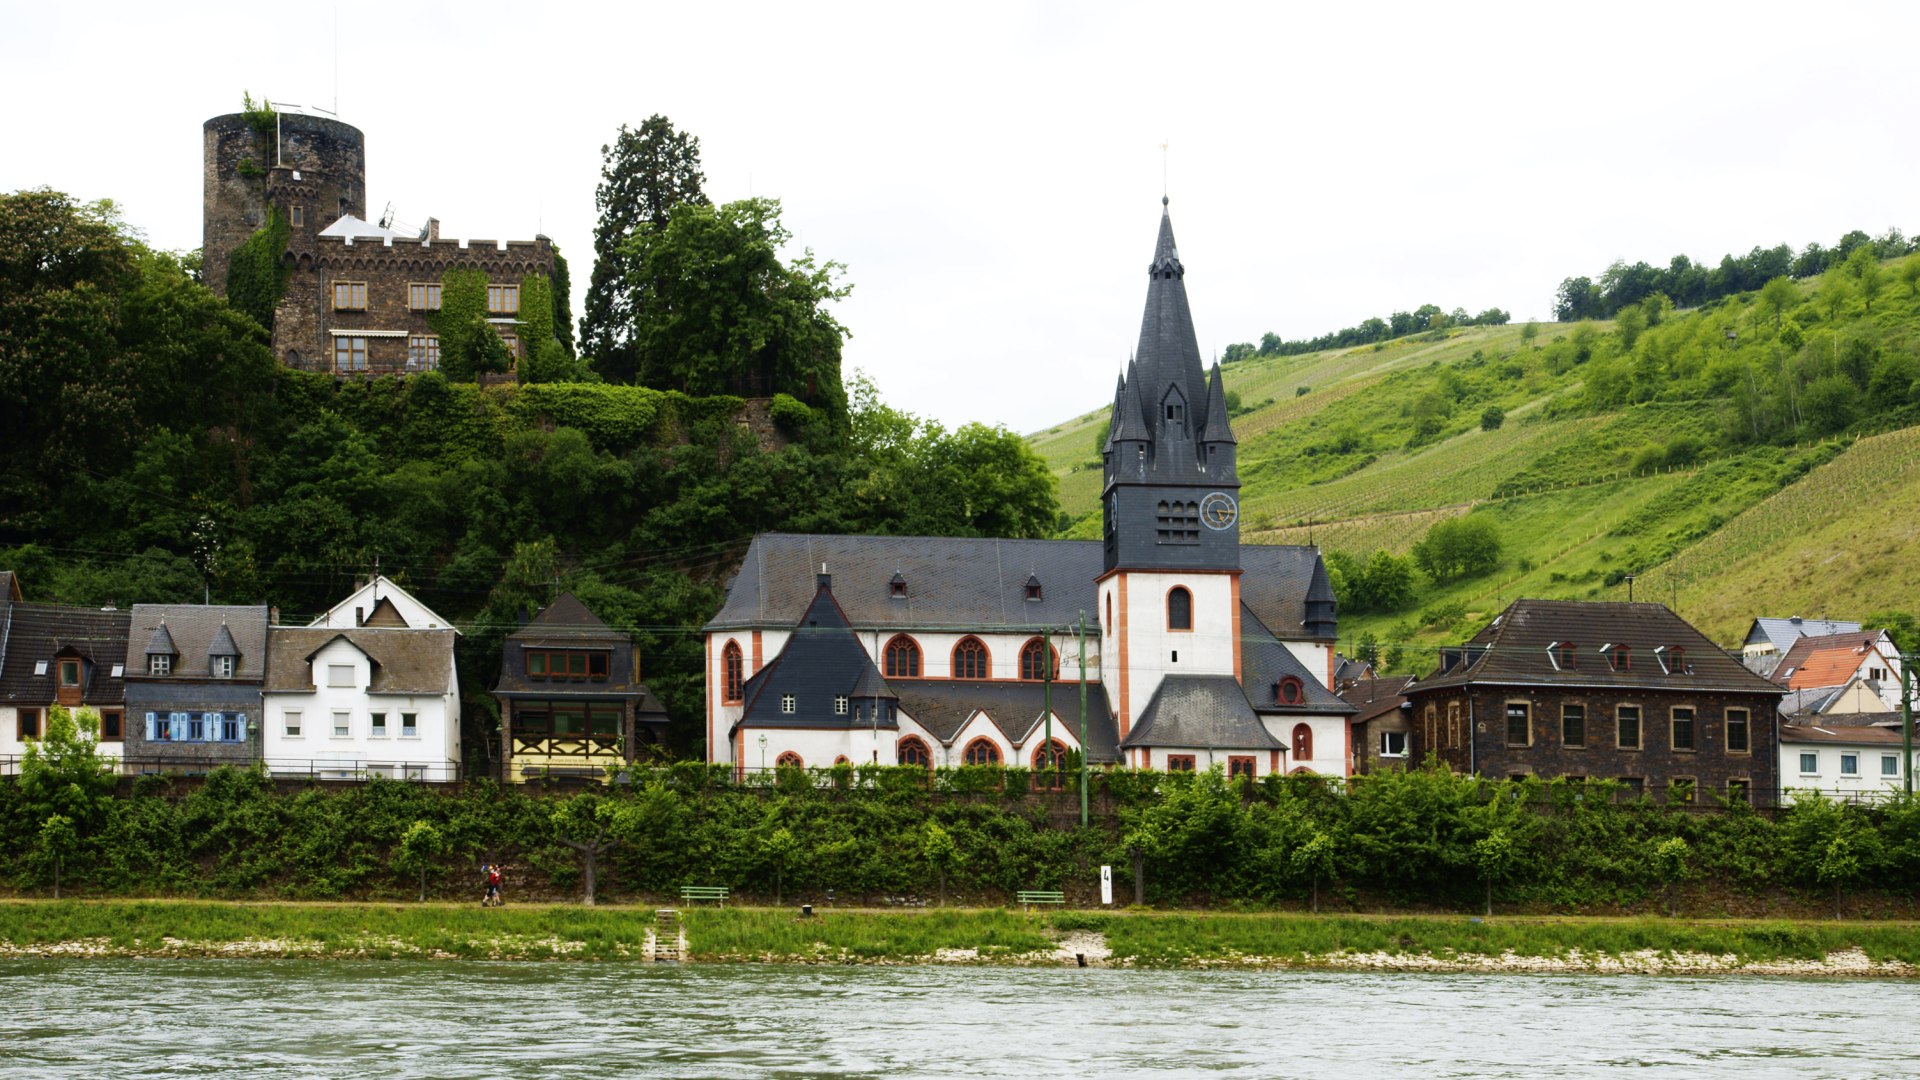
494,881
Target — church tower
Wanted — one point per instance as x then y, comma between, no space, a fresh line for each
1170,593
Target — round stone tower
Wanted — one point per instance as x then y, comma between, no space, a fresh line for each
313,168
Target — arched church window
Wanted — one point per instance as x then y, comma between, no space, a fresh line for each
981,752
902,658
970,659
1179,608
913,751
788,760
1033,660
731,670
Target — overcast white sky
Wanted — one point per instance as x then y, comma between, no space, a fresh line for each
991,173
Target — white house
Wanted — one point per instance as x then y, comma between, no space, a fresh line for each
1859,759
57,655
344,703
1838,660
380,603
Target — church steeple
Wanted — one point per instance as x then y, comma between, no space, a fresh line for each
1170,447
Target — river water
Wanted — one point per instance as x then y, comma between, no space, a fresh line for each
301,1018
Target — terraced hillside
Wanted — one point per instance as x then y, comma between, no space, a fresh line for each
1729,459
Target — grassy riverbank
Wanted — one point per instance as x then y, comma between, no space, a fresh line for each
1143,939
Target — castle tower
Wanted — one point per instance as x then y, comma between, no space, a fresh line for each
312,168
1170,594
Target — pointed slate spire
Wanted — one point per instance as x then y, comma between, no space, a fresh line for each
1113,415
1218,430
223,643
1169,352
161,643
1131,425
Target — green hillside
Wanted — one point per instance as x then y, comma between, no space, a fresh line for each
1724,457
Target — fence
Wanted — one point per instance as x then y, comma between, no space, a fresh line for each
444,772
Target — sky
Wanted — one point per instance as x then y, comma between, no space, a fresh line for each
991,174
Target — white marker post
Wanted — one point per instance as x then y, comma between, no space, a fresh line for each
1106,884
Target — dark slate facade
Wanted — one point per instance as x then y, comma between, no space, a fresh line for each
194,674
1627,692
1171,498
567,723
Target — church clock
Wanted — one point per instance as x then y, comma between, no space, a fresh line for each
1219,510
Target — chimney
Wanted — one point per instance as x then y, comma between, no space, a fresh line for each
433,229
273,616
824,579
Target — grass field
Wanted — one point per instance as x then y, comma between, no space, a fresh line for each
567,932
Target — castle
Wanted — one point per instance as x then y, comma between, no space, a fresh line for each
360,299
1200,651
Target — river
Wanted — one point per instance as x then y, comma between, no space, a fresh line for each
306,1018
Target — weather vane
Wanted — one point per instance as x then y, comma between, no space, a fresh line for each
1163,171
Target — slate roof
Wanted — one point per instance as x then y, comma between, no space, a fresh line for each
1826,660
567,620
944,706
1264,661
979,584
823,660
569,623
1782,633
1169,352
1828,733
33,633
192,633
1200,711
1512,650
1374,698
404,661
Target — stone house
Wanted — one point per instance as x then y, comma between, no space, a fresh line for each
193,679
1383,727
1629,692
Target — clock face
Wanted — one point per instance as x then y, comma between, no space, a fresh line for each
1219,511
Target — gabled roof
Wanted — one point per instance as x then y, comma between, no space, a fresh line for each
353,611
1265,662
1203,712
568,620
1513,650
1782,633
1835,734
192,633
978,584
1375,697
1826,660
1017,709
404,661
820,662
36,633
386,615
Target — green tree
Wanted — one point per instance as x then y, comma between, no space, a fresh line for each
1868,275
420,850
589,824
941,853
1492,418
56,842
1385,583
644,174
1458,548
1834,294
1910,275
1495,857
1671,866
716,307
779,847
1315,859
62,772
1528,332
1775,298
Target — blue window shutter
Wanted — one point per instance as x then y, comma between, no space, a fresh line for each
152,723
213,726
240,726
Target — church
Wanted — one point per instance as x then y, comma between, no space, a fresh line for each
1198,651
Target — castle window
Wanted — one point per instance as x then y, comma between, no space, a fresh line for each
902,658
297,215
732,666
349,354
1179,608
971,660
1302,744
1177,523
349,296
912,751
503,299
513,343
1033,661
423,352
981,752
423,296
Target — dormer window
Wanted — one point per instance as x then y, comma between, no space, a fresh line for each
1619,657
223,667
159,664
1673,659
1033,587
1561,655
69,673
1289,691
897,588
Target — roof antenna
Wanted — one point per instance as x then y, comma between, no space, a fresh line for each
1163,162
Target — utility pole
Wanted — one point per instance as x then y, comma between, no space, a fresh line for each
1046,659
1906,721
1083,717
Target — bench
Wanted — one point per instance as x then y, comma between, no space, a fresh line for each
693,894
1029,897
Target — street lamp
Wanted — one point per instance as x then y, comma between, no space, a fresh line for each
763,751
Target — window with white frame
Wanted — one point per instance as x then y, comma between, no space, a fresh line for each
786,703
1809,763
291,718
409,725
159,664
342,724
1849,764
223,667
1393,744
340,675
1889,764
377,724
840,705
